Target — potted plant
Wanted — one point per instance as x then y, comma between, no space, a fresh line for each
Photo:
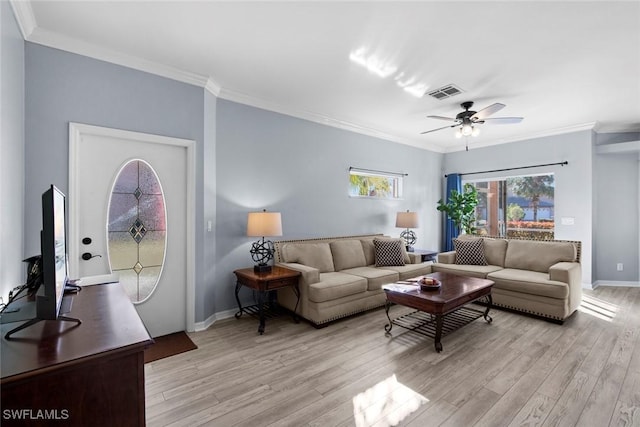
461,208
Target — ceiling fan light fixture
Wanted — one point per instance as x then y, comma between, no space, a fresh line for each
458,133
475,131
467,129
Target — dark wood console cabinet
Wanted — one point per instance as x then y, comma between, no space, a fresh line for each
57,373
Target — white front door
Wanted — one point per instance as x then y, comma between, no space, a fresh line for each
96,157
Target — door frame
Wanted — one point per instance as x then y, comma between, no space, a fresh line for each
76,132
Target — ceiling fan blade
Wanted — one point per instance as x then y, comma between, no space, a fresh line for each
433,130
504,120
486,112
449,119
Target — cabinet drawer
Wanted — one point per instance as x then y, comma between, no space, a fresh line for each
280,283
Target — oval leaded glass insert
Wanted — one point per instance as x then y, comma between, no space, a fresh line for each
137,233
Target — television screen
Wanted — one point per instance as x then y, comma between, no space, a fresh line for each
54,253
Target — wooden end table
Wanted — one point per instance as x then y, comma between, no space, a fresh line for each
426,254
455,292
263,283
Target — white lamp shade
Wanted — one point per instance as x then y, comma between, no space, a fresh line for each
264,224
407,220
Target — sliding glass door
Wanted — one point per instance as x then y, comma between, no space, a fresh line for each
521,206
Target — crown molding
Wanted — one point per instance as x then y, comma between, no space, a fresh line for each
213,87
245,99
58,41
524,137
24,15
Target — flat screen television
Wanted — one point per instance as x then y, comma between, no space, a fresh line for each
53,243
54,254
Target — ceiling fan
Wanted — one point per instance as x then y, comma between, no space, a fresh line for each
466,120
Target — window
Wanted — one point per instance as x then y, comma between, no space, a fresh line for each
136,229
521,206
375,185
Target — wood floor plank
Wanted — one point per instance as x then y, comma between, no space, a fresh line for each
571,402
534,412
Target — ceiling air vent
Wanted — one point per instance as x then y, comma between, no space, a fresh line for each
445,92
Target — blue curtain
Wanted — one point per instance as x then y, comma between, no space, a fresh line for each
454,182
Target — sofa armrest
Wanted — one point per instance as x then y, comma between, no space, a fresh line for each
414,258
310,275
566,272
447,257
570,273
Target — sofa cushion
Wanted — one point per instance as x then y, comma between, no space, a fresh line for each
470,252
376,277
537,255
316,255
336,285
389,252
409,271
369,251
480,271
347,254
495,250
529,282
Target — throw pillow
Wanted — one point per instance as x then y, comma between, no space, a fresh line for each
388,252
469,252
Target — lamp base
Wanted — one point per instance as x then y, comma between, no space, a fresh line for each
261,268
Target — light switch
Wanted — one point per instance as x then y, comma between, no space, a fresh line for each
567,220
209,225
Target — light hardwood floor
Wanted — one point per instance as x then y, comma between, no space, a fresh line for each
517,371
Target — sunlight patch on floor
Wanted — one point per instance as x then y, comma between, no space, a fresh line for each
385,404
598,308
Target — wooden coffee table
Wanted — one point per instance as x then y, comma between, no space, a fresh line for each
455,292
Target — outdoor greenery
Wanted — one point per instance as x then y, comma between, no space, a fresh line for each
541,230
533,188
371,186
461,208
514,212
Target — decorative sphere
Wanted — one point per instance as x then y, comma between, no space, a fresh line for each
262,251
409,237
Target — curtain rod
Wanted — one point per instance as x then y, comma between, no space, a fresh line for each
511,169
377,171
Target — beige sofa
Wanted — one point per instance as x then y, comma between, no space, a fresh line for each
542,278
340,276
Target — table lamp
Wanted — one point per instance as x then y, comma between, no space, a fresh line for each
263,224
407,220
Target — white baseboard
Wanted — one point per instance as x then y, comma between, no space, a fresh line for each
621,283
201,326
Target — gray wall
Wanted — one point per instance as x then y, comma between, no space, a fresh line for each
299,168
574,182
11,152
62,87
616,224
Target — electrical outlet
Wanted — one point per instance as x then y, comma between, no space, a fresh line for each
620,267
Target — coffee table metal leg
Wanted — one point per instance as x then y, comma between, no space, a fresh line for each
486,312
388,326
439,321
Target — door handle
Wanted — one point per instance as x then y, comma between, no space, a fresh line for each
87,256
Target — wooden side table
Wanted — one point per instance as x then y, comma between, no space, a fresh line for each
426,255
278,277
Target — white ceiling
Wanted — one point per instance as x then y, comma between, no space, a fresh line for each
563,66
